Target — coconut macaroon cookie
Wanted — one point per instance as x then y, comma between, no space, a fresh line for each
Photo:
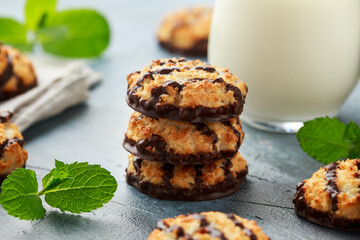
207,226
186,30
331,197
12,152
183,90
182,142
187,182
17,73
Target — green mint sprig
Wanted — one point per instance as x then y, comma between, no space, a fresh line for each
71,33
328,140
76,188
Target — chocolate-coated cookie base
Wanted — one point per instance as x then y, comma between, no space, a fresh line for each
198,50
183,159
193,115
229,186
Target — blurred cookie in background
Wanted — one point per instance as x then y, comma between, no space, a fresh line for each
185,31
17,73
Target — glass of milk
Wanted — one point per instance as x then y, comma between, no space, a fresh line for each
299,58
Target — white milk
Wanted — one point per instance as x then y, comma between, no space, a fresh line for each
299,58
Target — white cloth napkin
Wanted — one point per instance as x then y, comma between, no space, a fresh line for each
61,84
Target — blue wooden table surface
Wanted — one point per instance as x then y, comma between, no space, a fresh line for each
94,131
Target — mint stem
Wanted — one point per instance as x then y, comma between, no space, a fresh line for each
41,192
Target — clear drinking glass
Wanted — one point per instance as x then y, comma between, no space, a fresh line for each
299,58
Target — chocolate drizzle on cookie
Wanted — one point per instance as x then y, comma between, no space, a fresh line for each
154,108
5,116
168,173
207,227
226,165
179,231
332,189
236,132
156,144
198,175
8,71
205,130
137,162
166,71
238,223
8,142
206,69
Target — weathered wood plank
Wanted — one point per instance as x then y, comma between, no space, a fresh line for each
94,131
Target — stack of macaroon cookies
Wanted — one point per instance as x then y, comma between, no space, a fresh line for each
17,74
185,133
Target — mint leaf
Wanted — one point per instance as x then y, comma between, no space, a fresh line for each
36,12
77,187
352,135
56,176
19,195
355,150
75,33
352,132
88,187
14,33
323,139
